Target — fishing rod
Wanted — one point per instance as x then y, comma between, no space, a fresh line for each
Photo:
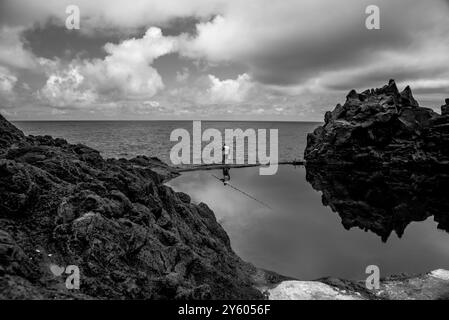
243,192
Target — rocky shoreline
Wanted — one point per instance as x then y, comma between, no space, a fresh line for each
381,162
430,286
131,236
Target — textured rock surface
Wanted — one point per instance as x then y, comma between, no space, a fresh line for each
445,108
130,235
381,162
310,290
430,286
381,126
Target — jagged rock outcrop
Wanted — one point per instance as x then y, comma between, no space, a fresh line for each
9,134
130,235
445,108
381,126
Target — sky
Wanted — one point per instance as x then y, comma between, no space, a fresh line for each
289,60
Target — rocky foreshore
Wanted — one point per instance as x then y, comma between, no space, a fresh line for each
381,127
131,236
430,286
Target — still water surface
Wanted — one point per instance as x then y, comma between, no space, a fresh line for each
301,237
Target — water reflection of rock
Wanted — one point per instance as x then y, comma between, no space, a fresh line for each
382,200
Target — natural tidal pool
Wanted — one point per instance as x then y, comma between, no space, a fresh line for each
303,238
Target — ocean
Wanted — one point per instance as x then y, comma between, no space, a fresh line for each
127,139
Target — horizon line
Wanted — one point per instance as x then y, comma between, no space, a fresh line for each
156,120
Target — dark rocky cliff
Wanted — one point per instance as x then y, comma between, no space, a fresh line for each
381,126
130,235
381,162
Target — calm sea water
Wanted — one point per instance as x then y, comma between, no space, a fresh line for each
299,236
127,139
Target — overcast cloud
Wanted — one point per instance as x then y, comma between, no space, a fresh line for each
208,59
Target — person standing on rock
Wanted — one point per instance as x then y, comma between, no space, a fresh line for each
225,152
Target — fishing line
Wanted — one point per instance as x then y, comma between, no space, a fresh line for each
243,192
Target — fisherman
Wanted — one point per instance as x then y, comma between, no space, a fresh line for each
225,152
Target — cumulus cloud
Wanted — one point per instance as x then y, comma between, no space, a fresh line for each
7,81
124,74
292,55
12,51
66,88
289,42
229,90
127,69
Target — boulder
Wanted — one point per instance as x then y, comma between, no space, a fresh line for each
378,127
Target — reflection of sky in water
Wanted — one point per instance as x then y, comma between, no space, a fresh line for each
302,238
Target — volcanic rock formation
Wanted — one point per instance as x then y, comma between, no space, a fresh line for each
130,235
381,126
